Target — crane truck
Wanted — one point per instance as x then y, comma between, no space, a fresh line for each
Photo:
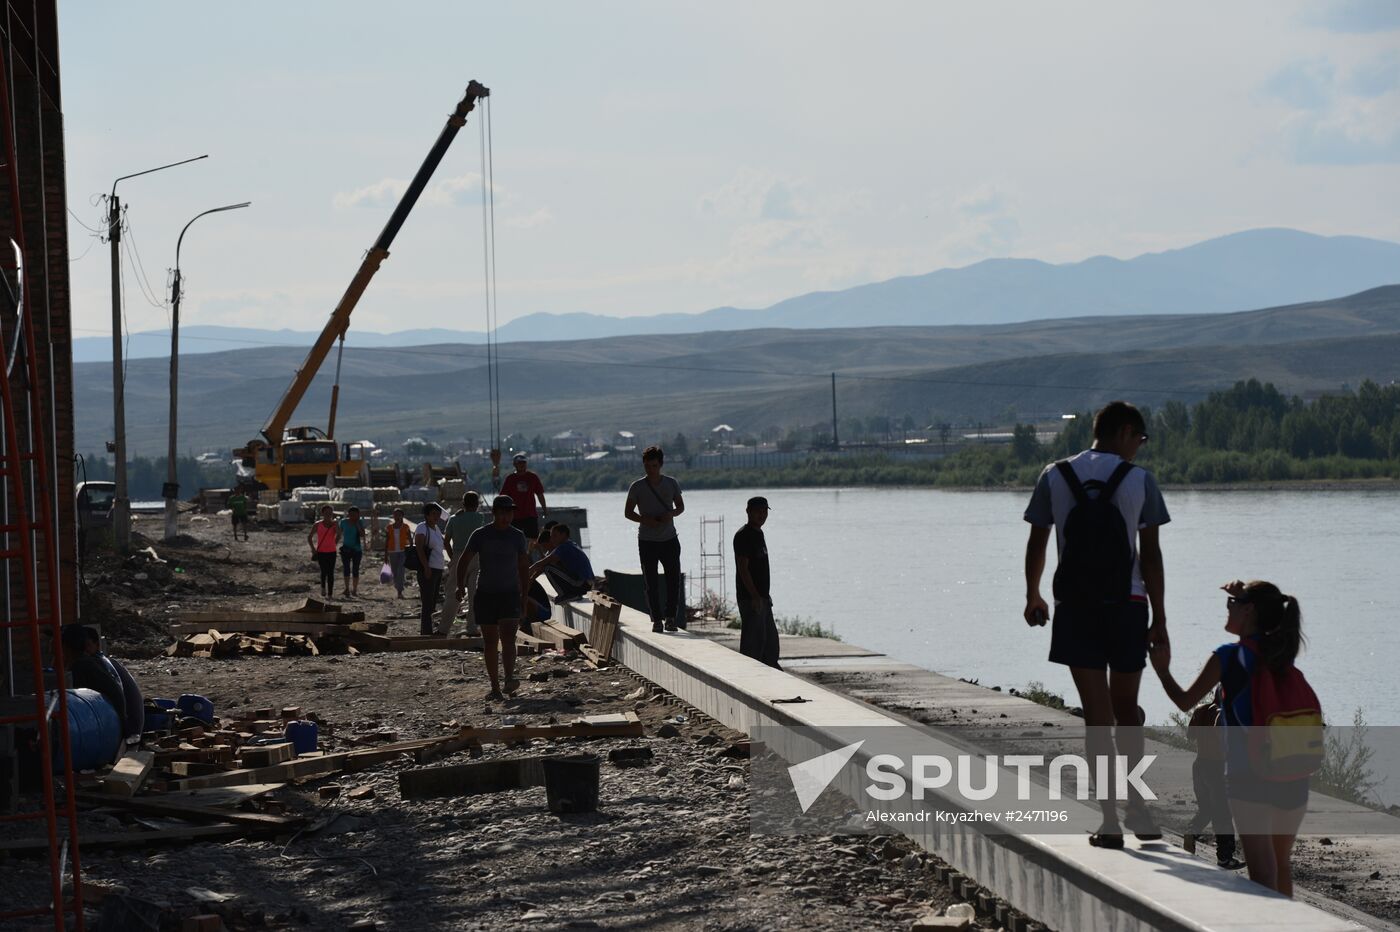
285,457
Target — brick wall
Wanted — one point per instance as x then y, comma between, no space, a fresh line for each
29,46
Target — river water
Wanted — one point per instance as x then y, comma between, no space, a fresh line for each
934,578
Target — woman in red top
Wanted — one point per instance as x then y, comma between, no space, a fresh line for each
324,540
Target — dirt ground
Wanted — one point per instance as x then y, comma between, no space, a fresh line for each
669,847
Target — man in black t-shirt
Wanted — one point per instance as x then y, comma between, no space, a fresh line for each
759,637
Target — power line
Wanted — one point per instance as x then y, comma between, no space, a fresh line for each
92,230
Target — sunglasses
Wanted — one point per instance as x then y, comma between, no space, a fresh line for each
1233,601
1143,438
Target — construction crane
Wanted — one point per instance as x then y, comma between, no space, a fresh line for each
286,457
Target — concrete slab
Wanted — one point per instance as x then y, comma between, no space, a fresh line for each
1058,879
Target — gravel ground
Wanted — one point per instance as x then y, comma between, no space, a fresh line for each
668,848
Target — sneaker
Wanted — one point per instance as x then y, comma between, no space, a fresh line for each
1188,842
656,627
1231,863
671,626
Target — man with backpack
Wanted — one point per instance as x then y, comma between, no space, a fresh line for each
1106,513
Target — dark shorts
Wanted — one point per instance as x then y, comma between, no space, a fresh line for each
1099,636
530,527
239,519
491,608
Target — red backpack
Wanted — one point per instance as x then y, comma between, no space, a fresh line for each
1285,741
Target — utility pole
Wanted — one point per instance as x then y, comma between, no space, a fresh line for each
121,503
171,492
835,438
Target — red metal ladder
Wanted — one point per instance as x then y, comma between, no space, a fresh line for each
27,554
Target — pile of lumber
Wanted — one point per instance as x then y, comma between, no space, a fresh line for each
312,627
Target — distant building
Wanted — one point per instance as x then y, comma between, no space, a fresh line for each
625,442
569,441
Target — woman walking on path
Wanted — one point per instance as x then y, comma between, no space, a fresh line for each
1267,810
352,550
323,539
429,543
654,502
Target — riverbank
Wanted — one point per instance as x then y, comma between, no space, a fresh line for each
669,847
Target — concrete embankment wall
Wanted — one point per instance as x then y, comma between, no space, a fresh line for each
1055,878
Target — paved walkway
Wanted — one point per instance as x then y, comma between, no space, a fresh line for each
1010,724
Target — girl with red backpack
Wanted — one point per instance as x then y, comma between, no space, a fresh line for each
1273,733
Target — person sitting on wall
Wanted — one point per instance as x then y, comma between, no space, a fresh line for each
567,566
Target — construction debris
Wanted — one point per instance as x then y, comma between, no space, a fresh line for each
312,628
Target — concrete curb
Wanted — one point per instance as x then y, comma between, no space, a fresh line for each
1057,879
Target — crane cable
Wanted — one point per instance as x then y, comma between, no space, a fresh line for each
492,408
495,288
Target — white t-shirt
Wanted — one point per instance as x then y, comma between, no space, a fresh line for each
1138,499
432,537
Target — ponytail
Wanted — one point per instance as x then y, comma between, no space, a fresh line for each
1280,624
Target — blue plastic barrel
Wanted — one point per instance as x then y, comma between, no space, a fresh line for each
302,735
159,721
94,731
196,707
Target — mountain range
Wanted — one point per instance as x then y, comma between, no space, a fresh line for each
1251,269
656,385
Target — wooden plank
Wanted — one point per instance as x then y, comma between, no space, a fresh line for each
268,754
221,795
283,627
488,776
128,774
603,629
533,643
557,635
436,752
189,833
194,813
306,766
194,768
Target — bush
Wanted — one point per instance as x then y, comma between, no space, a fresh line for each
1346,765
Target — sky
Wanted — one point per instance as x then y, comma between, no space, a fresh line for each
674,157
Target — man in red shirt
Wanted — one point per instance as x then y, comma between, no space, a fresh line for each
524,486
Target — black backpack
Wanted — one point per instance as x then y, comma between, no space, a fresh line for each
1096,563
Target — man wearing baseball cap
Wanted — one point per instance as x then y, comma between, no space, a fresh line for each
759,637
523,486
499,549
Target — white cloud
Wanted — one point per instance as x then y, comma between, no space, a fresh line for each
984,225
461,191
383,193
1357,15
1339,117
538,218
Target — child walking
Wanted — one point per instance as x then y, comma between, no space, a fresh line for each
1267,810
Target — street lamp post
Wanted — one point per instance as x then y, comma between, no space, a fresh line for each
171,492
121,503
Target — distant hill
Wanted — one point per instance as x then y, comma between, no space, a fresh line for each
753,379
1252,269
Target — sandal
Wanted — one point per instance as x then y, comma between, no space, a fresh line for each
1110,840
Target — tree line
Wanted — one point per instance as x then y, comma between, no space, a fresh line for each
145,476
